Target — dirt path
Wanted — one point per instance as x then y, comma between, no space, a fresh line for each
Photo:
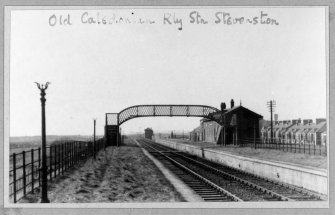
122,174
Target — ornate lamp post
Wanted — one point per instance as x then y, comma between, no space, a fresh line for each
44,198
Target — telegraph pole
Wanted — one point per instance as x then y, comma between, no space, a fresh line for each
271,105
44,197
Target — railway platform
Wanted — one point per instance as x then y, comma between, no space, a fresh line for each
304,176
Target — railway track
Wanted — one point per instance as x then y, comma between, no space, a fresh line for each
239,185
206,189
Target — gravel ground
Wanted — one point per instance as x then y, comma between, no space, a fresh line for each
122,174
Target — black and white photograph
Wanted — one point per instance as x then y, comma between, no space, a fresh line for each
166,107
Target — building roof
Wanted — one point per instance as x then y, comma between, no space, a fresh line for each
309,127
321,127
279,126
234,109
198,129
217,115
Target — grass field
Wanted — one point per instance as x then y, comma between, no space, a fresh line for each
268,154
28,142
121,174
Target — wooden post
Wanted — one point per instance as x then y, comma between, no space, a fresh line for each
85,150
66,148
94,150
70,154
65,156
255,134
55,161
14,176
24,173
304,148
72,157
62,158
59,158
80,153
32,170
50,162
73,153
76,152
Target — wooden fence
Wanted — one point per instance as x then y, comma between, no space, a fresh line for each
25,168
278,144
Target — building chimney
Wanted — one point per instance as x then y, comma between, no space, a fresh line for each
223,106
231,103
276,117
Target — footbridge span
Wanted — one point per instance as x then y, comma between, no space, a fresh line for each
114,120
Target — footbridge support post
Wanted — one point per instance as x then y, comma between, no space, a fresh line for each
112,135
112,130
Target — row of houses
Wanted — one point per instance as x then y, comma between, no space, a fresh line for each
296,131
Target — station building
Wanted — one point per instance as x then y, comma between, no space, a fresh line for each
236,124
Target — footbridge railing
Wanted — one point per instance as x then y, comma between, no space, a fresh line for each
159,110
114,120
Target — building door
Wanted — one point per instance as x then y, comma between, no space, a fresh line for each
230,135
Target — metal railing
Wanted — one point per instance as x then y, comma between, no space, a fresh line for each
286,146
25,167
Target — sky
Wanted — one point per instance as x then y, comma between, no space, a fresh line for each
98,68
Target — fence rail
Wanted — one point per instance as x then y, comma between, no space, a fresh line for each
281,145
25,167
